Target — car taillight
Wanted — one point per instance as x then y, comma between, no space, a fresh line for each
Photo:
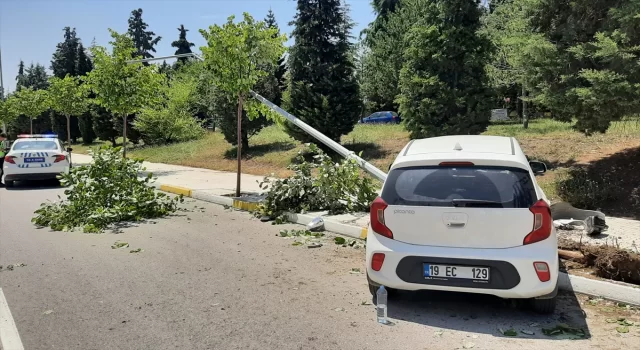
542,270
59,158
9,159
377,218
376,261
541,223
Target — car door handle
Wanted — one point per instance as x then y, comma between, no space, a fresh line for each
456,224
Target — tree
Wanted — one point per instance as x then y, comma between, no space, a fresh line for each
7,110
103,124
235,53
143,39
65,58
83,62
31,103
21,79
120,87
171,120
182,44
586,68
68,97
443,84
324,92
281,69
36,77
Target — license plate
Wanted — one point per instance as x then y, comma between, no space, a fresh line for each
432,271
34,160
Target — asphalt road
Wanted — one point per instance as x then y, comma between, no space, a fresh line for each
213,278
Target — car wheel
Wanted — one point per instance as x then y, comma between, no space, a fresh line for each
544,306
8,183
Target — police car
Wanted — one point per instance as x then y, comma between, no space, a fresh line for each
35,157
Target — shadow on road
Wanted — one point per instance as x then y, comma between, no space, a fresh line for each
484,314
33,185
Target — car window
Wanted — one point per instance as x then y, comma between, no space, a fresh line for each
35,145
496,187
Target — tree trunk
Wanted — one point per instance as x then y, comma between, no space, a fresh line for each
525,117
239,144
69,137
124,137
31,126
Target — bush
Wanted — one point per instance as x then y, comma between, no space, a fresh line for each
582,190
103,193
158,127
319,185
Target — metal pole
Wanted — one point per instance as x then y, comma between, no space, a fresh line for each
239,146
370,168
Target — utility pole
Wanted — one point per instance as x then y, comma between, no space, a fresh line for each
4,127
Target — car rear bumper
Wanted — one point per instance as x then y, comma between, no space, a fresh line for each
30,177
13,172
512,274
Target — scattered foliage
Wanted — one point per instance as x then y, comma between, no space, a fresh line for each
318,185
105,192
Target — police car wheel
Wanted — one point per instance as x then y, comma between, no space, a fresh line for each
8,183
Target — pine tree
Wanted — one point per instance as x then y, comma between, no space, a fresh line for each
36,77
143,39
324,92
65,57
182,44
443,84
21,79
83,63
281,70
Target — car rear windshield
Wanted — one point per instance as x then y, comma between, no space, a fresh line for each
35,145
465,186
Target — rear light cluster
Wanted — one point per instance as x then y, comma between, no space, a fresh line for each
377,218
542,223
10,159
59,158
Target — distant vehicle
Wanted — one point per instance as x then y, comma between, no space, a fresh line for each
382,118
464,214
35,157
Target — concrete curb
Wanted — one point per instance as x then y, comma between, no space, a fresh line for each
615,291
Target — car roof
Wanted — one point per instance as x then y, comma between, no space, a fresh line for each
479,149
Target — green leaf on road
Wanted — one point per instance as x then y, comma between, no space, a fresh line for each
564,331
135,250
117,245
284,233
339,240
509,332
527,332
622,329
297,243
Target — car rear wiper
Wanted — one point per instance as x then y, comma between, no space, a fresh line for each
478,203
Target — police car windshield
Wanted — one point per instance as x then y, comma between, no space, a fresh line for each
40,145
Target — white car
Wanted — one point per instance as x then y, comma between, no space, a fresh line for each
34,157
464,214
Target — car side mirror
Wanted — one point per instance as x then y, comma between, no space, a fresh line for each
69,149
538,167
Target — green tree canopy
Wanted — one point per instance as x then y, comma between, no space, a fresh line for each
122,88
236,55
31,103
8,110
36,77
443,85
69,98
21,79
324,91
182,45
65,57
144,40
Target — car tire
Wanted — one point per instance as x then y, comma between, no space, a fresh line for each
544,306
8,183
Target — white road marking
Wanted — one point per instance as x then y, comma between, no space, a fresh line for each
9,337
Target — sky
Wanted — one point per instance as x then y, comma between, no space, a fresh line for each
30,29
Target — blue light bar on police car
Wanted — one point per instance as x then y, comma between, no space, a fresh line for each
38,136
